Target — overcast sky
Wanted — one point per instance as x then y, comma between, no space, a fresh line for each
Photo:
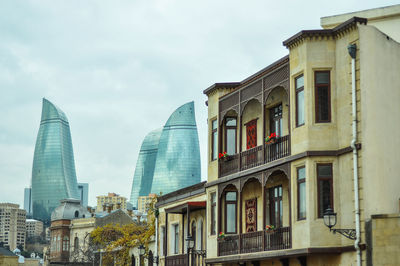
118,69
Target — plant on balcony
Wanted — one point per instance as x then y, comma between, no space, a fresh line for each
271,138
269,228
223,155
221,236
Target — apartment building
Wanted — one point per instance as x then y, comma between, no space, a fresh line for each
12,225
111,200
144,202
33,227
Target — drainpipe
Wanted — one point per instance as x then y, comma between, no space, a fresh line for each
352,48
156,249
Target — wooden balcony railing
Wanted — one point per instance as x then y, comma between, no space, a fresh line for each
277,150
229,165
177,260
254,157
229,245
279,238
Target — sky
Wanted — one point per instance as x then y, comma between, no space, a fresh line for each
118,69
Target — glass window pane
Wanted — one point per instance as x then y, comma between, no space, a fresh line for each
230,218
302,200
231,141
231,196
300,82
301,173
215,145
300,107
324,171
322,77
213,198
214,124
324,195
230,121
323,103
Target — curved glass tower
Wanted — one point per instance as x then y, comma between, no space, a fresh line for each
143,178
178,156
53,172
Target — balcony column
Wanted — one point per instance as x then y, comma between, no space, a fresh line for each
240,218
166,234
263,209
240,133
263,120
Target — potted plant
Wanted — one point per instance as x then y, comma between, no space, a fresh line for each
269,228
224,156
221,236
271,138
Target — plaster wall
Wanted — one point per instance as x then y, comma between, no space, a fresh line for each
80,228
380,127
211,243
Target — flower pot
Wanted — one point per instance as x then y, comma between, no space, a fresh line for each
271,141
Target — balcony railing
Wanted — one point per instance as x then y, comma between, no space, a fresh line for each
255,156
177,260
279,238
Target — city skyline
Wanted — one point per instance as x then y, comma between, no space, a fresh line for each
118,80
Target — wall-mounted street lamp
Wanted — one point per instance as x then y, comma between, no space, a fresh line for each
190,242
330,220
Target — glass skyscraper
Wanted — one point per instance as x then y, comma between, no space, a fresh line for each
53,172
143,177
169,159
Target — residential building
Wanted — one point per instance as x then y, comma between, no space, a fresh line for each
328,102
83,189
169,158
12,225
144,202
182,214
53,172
7,257
33,227
111,201
28,201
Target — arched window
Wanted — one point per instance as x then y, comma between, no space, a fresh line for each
230,211
58,243
54,244
66,243
199,243
76,243
133,261
193,232
76,214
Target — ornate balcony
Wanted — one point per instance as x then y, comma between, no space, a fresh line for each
255,157
277,239
177,260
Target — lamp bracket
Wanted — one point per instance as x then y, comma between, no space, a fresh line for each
349,233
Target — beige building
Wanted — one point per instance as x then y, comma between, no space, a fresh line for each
112,201
34,227
12,225
330,102
144,202
182,213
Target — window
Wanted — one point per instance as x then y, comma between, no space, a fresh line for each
230,135
162,240
213,213
301,193
325,188
76,243
276,206
76,214
65,243
275,116
230,212
214,138
176,238
299,83
322,97
58,243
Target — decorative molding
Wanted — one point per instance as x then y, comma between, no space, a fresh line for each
257,176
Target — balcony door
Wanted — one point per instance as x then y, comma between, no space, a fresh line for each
275,118
275,206
251,134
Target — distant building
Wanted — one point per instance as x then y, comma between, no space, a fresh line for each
53,171
34,227
7,257
169,159
112,201
28,201
144,202
83,189
12,225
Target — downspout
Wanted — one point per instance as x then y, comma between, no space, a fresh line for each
156,247
352,48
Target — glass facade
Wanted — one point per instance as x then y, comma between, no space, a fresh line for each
178,157
143,177
53,172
